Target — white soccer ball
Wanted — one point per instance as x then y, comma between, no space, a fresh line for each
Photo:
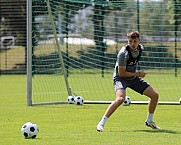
29,130
127,101
70,99
78,100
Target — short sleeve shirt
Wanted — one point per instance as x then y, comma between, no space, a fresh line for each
127,57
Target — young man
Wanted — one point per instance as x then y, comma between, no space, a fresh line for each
125,75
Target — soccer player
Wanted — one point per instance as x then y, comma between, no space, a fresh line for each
125,75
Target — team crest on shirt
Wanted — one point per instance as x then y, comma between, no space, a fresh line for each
133,63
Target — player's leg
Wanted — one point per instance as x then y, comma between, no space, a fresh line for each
142,87
120,86
153,95
120,97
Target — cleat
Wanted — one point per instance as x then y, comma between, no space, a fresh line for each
100,127
152,125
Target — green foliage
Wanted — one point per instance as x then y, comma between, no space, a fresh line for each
174,11
76,125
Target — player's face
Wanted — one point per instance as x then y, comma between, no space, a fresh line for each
133,43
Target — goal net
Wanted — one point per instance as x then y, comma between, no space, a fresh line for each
73,45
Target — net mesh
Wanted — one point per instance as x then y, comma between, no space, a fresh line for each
90,34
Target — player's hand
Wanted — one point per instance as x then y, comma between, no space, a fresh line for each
142,73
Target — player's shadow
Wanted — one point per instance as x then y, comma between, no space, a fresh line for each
159,131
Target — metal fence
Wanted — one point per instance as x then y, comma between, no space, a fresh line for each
12,36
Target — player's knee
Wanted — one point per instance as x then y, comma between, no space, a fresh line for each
120,97
120,100
155,96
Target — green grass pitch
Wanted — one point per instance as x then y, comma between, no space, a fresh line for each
76,125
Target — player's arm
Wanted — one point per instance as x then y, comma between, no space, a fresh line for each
123,73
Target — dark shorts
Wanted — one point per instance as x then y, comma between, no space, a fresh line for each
137,84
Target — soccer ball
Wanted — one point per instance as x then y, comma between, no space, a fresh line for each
70,99
127,101
78,100
29,130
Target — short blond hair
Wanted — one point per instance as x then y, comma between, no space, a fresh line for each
133,34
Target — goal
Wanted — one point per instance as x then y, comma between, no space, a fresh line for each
73,44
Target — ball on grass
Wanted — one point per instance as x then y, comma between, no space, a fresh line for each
70,99
78,100
127,101
29,130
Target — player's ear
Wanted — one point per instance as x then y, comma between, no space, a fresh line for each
139,40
